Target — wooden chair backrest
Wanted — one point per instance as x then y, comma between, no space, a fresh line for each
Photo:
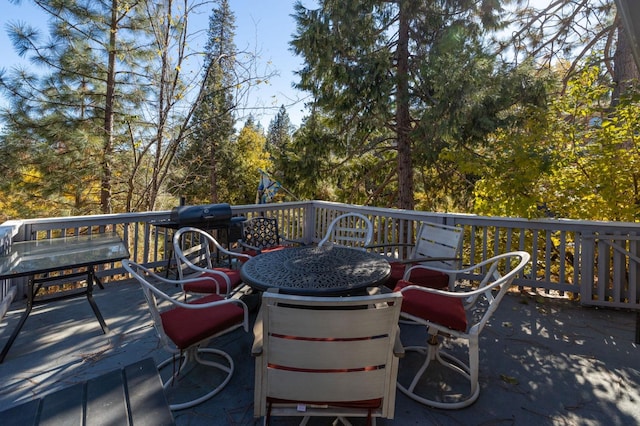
436,240
328,349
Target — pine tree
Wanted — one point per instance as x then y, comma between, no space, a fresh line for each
66,108
373,67
279,139
213,121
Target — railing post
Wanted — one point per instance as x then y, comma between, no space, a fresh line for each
7,291
309,222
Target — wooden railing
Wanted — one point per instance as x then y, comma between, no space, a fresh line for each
595,262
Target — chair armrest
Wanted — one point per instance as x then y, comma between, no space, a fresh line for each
371,246
431,268
249,246
398,349
428,259
233,253
289,241
455,294
256,349
202,270
184,281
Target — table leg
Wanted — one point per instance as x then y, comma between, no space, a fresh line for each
90,280
23,319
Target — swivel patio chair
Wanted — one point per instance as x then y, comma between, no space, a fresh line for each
436,246
260,235
349,230
185,330
308,363
460,314
193,252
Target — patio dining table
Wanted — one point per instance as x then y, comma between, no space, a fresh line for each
70,258
316,271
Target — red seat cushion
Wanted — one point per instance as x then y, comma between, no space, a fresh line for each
419,276
253,253
206,286
186,327
443,310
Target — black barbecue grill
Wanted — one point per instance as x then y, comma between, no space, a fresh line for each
202,215
207,217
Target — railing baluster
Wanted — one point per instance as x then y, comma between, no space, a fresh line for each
567,256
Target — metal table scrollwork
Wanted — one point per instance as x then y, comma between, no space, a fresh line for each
316,271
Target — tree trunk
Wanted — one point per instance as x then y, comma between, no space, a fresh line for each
625,68
403,119
214,173
107,150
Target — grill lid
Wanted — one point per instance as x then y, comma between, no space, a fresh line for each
185,215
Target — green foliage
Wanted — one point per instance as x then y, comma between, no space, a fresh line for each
200,158
579,159
456,94
242,167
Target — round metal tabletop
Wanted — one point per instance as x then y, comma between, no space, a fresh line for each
311,270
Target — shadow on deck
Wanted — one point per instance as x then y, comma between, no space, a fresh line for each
543,361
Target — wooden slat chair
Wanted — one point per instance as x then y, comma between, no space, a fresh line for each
193,252
436,246
185,329
326,356
349,230
460,314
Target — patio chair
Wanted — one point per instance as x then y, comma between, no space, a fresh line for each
460,314
438,246
260,235
308,363
192,248
349,230
185,330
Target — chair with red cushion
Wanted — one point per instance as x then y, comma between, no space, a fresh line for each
193,252
327,356
436,246
260,235
459,314
185,329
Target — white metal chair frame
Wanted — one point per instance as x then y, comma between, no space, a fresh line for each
492,280
187,269
325,353
349,230
155,298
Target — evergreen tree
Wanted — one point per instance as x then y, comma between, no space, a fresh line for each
110,90
65,109
380,71
213,121
279,138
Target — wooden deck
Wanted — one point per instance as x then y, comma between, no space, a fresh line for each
543,361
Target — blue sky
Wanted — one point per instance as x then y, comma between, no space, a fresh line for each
264,26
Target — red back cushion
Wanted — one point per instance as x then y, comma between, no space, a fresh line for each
419,276
206,286
254,253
